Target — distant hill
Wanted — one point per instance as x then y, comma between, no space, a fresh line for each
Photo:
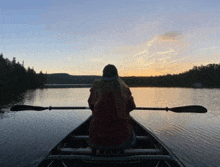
63,78
203,76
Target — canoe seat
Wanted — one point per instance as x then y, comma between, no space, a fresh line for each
142,151
116,159
88,150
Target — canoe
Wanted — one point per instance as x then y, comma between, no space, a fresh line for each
73,150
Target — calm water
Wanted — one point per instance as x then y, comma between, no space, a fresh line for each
27,136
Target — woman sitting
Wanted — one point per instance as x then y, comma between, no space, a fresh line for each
111,101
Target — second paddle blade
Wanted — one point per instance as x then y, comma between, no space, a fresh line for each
26,107
190,109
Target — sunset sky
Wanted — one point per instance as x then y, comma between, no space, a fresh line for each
140,37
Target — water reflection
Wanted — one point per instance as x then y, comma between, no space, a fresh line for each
9,98
191,136
3,113
58,97
207,97
30,95
162,97
195,138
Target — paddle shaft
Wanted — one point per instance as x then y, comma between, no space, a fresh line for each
76,108
151,108
66,108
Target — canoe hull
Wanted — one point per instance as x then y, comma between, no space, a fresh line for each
73,150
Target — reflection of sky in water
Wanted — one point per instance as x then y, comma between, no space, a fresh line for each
162,97
30,134
54,97
192,136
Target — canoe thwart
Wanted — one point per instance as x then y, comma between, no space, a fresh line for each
88,150
82,137
86,137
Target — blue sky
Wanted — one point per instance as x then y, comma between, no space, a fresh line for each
141,37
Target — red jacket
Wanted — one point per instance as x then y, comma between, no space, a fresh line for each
110,103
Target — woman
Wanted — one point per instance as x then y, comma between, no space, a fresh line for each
111,101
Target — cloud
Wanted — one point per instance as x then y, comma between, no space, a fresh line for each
158,56
166,52
172,35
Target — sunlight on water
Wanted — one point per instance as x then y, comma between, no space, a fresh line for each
163,97
27,136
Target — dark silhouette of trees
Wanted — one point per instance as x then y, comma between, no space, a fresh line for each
15,79
201,76
204,76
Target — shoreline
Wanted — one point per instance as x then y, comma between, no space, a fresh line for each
131,86
67,85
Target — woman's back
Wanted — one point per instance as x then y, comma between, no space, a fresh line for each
111,102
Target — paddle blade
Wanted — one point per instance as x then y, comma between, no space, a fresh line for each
26,107
189,109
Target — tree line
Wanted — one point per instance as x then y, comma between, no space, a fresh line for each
199,76
15,79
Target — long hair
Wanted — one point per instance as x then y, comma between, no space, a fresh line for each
110,77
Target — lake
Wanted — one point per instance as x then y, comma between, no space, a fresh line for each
27,136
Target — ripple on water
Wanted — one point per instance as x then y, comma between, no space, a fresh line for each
194,144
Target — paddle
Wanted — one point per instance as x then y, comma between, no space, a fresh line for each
183,109
38,108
